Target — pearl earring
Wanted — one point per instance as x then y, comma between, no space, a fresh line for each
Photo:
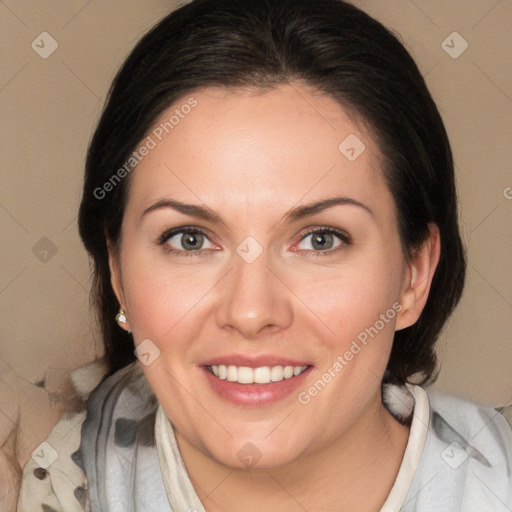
121,317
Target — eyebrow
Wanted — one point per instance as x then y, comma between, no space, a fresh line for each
295,214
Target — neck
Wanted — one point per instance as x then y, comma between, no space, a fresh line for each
355,471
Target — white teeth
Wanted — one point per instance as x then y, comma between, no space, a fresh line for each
261,375
276,373
245,375
232,374
288,372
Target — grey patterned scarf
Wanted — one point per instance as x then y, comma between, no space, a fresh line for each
118,446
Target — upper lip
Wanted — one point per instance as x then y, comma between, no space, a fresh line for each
253,361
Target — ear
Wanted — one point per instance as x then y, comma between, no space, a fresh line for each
116,282
418,279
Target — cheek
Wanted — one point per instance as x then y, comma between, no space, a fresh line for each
347,301
161,297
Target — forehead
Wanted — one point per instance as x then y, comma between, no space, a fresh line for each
231,147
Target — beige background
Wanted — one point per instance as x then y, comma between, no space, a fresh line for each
48,109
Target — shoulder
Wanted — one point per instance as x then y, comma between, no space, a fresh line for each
478,429
460,408
53,478
467,458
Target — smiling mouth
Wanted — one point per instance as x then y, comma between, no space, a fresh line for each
261,375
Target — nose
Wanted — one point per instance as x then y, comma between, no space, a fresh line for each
253,301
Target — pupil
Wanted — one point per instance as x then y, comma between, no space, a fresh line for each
190,241
319,241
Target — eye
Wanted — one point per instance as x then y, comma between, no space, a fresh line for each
185,240
323,240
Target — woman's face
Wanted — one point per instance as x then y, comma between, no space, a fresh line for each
219,271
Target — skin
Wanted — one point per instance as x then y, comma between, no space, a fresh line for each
251,156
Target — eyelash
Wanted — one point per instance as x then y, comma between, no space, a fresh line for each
162,240
344,238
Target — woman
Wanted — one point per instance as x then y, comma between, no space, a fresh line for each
270,206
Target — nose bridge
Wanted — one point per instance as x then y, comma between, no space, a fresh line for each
253,298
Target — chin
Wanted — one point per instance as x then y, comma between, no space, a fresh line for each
250,454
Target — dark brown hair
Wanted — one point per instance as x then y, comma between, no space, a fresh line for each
329,45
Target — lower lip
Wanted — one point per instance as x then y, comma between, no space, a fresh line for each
255,394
